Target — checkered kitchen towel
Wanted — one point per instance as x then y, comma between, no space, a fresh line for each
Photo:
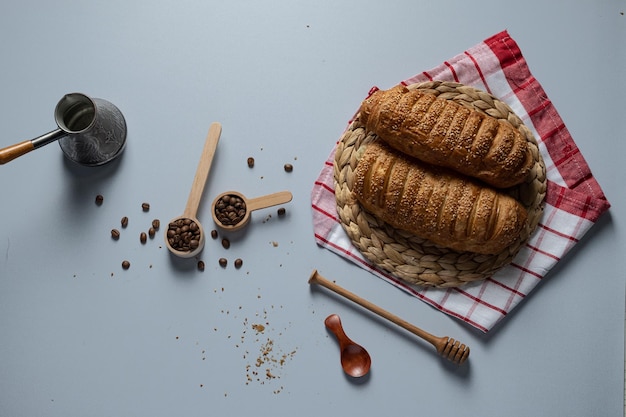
574,199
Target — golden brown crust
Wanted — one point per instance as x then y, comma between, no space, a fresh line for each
434,203
444,133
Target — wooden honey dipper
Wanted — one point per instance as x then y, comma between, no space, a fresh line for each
446,346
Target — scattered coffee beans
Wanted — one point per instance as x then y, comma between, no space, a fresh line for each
156,223
99,199
124,221
230,209
143,237
250,162
226,243
183,235
201,265
145,206
238,263
115,234
288,167
281,211
151,232
223,262
125,264
214,234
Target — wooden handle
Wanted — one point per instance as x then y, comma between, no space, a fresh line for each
202,172
333,323
316,278
269,200
11,152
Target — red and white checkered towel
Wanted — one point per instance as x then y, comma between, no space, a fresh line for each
574,200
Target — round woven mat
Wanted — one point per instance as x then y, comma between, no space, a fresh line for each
406,256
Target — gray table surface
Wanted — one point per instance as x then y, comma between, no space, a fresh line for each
79,336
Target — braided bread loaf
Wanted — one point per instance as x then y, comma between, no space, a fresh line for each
434,203
444,133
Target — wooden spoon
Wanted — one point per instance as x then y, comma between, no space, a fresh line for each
447,347
251,204
355,360
195,195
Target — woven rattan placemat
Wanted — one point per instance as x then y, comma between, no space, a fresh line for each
407,256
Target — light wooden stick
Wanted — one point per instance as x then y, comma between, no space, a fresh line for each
202,172
446,346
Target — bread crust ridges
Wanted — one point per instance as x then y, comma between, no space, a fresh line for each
444,133
447,208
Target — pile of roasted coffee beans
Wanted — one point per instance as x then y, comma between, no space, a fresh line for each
183,235
230,209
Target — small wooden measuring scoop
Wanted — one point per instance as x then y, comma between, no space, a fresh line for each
192,248
231,209
447,347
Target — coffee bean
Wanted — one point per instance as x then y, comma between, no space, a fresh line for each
125,264
115,234
238,263
145,207
226,243
250,162
201,265
183,235
143,237
230,209
223,262
281,211
99,199
124,221
214,234
288,167
151,232
156,223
